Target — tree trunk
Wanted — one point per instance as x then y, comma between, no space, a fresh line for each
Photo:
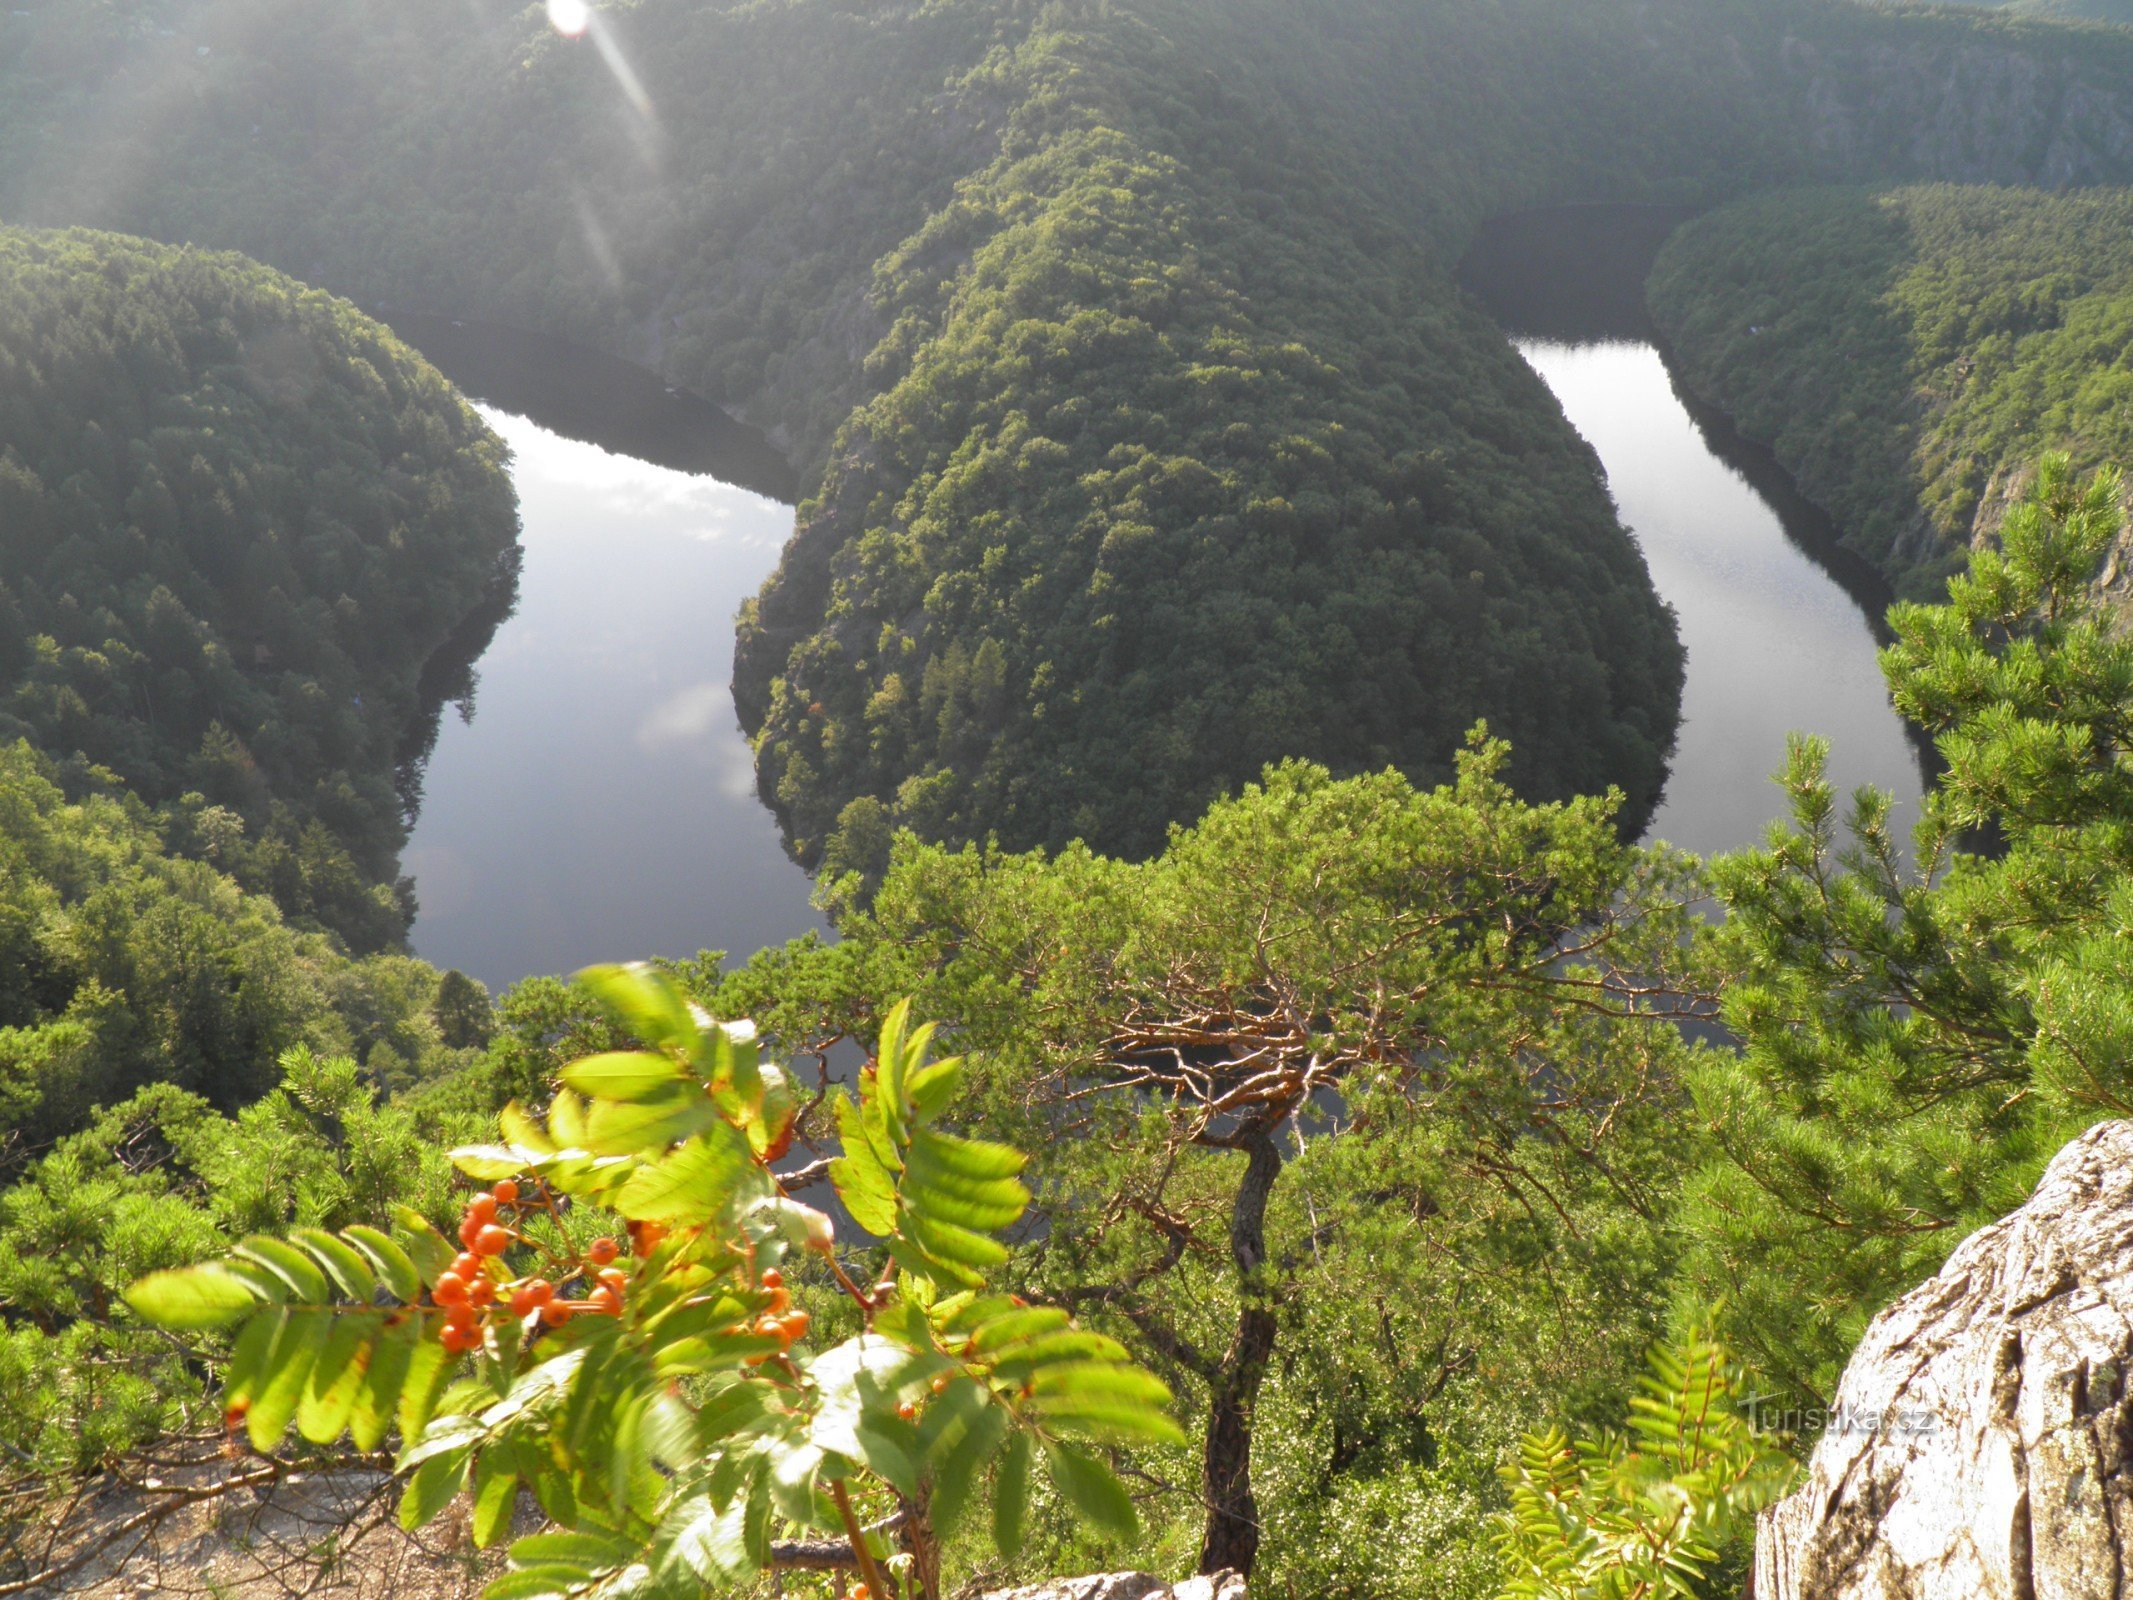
922,1544
1232,1538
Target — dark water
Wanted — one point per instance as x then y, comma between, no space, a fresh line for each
590,796
1780,624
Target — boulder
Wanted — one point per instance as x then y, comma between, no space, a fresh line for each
1981,1440
1128,1586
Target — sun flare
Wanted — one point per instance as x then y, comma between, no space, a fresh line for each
569,17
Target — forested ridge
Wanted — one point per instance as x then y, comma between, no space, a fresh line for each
1907,352
1166,283
236,522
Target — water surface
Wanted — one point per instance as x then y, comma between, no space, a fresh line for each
1780,624
594,798
1775,643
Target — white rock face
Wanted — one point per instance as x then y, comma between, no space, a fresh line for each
1982,1447
1127,1586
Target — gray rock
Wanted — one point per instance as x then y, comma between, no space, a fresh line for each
1982,1437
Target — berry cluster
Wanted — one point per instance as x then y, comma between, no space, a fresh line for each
781,1319
476,1283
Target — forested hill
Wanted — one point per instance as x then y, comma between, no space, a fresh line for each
1908,353
1149,436
236,521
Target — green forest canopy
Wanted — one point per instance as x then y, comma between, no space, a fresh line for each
1907,353
237,519
1149,437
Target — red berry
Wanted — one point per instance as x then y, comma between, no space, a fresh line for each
505,1193
481,1291
530,1296
907,1411
492,1241
780,1301
467,1265
773,1278
601,1251
451,1290
468,1228
456,1340
557,1312
616,1279
461,1316
481,1210
605,1301
793,1325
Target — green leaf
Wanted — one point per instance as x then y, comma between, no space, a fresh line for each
623,1128
190,1299
280,1386
648,1002
343,1264
518,1127
960,1450
427,1368
252,1354
975,1161
495,1493
370,1418
1088,1486
710,1541
431,1487
1010,1497
624,1075
330,1389
944,1241
290,1265
486,1163
695,1185
933,1088
1109,1379
1023,1322
423,1244
861,1181
388,1260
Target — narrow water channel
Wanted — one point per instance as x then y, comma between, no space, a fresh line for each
1781,625
594,798
1775,643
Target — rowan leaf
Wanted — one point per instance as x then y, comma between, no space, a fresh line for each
1010,1497
192,1299
388,1260
1090,1488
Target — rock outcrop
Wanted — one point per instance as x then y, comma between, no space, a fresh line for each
1128,1586
1981,1444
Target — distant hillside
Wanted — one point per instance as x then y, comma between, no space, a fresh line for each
237,520
1908,353
1147,435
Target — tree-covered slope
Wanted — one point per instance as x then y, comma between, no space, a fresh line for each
1905,352
123,965
236,520
1148,436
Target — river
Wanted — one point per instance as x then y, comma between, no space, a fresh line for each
1781,624
593,797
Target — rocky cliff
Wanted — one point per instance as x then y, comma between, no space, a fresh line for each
1982,1437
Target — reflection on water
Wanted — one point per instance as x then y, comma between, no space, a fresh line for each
1775,643
1780,623
597,801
